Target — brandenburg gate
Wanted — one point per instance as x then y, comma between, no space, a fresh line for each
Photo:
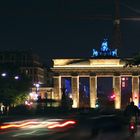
93,68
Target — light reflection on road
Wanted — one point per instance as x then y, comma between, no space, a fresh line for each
36,127
30,128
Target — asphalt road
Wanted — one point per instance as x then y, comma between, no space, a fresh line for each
103,127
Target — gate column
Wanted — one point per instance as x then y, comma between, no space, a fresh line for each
93,90
117,91
57,87
135,90
75,91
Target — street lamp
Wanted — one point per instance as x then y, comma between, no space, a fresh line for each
3,74
16,77
37,87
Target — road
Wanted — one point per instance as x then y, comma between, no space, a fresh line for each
103,127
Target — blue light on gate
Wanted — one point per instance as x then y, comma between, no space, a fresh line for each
139,106
104,51
68,86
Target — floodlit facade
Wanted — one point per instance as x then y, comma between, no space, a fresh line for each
104,65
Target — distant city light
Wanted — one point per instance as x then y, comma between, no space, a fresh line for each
33,96
3,74
28,103
16,77
37,85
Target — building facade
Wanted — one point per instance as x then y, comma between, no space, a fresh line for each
93,69
26,61
103,63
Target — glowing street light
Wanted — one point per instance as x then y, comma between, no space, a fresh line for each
16,77
37,85
3,74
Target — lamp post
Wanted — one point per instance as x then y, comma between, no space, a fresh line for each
37,87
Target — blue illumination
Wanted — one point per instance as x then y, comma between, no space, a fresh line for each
104,51
95,53
104,46
68,86
139,106
114,53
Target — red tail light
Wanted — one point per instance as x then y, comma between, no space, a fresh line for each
132,126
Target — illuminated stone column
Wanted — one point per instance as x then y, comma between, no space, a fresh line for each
117,91
75,91
93,90
57,87
135,89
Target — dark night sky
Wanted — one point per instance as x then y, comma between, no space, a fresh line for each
61,28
